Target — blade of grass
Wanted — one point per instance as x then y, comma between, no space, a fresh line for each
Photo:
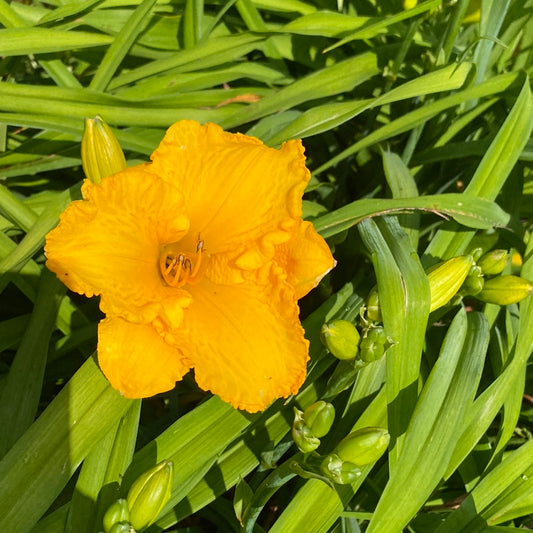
12,330
192,22
488,404
42,461
402,185
34,238
435,423
505,493
121,45
404,301
212,52
339,78
325,24
468,210
20,396
492,172
23,41
419,116
194,442
98,484
327,116
57,70
374,28
125,115
68,10
15,210
454,27
492,17
254,22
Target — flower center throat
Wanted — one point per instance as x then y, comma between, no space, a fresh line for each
179,268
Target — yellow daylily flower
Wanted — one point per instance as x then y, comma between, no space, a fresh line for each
199,258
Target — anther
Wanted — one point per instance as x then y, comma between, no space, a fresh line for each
199,250
178,268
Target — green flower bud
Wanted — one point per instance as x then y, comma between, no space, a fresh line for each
474,281
446,278
149,494
371,350
505,290
493,263
376,334
101,154
364,446
373,309
122,527
339,471
319,417
301,434
341,338
476,253
116,512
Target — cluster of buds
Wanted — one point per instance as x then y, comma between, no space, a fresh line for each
311,424
474,275
486,282
343,465
343,340
146,498
360,448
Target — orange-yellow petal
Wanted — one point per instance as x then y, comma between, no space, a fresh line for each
245,342
109,243
235,188
136,360
306,258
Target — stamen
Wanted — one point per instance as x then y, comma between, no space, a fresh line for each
199,250
171,264
176,277
179,268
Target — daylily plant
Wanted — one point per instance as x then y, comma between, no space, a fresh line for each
199,258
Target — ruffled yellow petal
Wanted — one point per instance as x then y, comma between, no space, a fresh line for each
109,243
235,188
245,342
136,360
306,259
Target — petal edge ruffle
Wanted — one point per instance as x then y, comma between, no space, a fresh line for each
109,243
245,342
235,188
136,360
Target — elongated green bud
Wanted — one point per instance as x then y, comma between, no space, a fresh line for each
363,446
319,417
446,279
474,281
339,471
373,309
149,494
116,512
341,338
122,527
505,290
101,154
301,434
493,263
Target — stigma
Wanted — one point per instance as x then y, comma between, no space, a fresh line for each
179,268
